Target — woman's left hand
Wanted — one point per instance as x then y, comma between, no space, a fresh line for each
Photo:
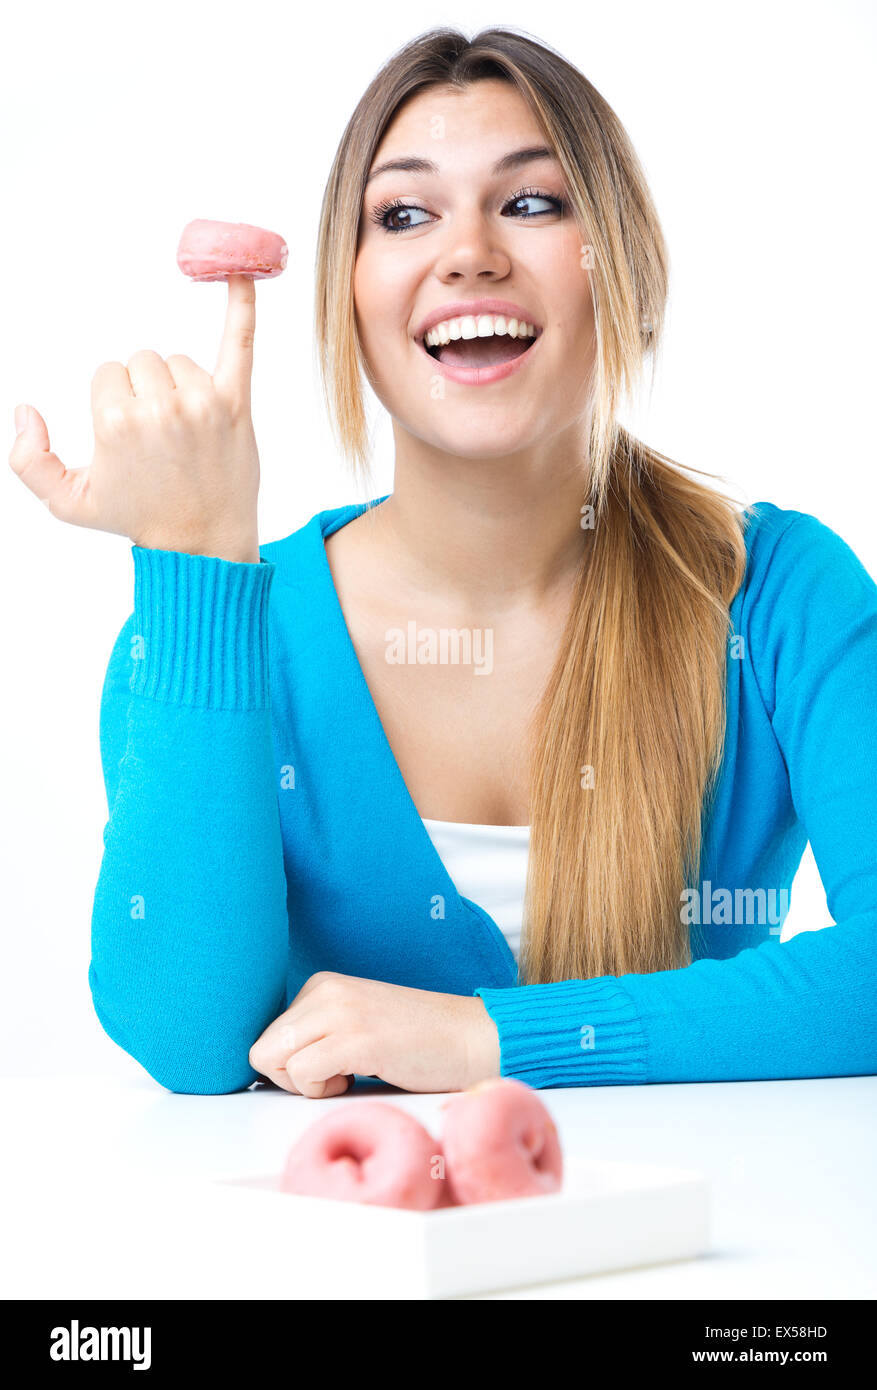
339,1025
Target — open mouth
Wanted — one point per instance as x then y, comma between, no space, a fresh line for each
489,342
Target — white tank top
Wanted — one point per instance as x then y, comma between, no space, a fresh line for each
488,864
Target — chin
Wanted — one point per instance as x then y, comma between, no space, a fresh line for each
468,444
469,433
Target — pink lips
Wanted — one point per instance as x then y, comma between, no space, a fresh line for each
477,376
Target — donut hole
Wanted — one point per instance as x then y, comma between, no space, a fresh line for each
347,1148
540,1160
533,1143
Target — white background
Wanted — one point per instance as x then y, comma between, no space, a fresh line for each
122,122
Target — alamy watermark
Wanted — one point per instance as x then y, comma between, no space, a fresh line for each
75,1343
442,646
747,907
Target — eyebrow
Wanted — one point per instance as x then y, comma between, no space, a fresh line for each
413,164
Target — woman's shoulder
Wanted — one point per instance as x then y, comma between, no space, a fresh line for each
301,554
806,599
788,551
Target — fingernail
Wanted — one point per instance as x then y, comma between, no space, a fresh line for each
21,418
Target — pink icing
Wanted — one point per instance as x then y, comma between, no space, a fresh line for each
500,1142
214,250
370,1152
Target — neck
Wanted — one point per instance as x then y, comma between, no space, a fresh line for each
504,531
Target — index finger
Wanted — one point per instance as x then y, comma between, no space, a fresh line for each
234,365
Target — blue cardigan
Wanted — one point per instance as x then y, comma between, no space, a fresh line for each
260,830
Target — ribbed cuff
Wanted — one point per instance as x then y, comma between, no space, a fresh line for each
574,1033
200,629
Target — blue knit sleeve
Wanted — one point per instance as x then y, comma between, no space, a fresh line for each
189,927
803,1007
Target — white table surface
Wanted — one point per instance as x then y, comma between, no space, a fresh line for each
90,1209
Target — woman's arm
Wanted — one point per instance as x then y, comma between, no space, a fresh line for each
189,929
804,1007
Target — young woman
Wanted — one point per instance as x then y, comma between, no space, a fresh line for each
511,770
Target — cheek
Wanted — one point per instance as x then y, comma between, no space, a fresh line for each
381,295
562,271
364,299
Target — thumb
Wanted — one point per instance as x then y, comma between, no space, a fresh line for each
234,365
62,490
30,422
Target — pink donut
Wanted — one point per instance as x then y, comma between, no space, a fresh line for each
215,250
499,1141
370,1152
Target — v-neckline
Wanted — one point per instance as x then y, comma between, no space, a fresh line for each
337,519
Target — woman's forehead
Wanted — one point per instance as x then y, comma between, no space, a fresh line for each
486,110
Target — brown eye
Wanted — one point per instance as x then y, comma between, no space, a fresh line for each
388,215
532,195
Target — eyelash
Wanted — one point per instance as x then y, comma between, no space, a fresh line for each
383,210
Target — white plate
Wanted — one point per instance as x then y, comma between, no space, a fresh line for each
608,1216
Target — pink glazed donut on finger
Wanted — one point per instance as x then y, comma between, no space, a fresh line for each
500,1142
214,250
367,1151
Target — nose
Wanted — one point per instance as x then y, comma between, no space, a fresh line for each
470,250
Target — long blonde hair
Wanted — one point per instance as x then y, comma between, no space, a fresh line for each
627,740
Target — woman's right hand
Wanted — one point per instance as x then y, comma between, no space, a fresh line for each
175,463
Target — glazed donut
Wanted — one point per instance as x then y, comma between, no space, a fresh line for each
499,1141
215,250
367,1151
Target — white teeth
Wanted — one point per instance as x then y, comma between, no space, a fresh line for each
484,326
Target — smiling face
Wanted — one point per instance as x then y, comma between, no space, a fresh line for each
472,304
